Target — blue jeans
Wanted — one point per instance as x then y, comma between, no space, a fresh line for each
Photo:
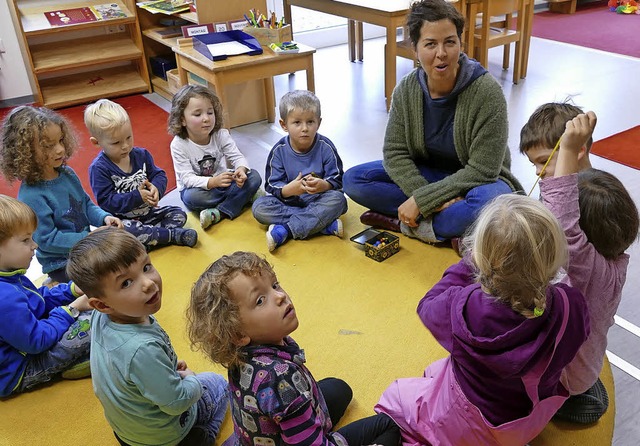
316,213
229,200
369,185
70,350
212,405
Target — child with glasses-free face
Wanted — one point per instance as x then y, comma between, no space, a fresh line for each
131,354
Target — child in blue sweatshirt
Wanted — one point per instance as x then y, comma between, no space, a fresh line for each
40,336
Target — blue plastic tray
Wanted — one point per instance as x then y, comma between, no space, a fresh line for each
201,41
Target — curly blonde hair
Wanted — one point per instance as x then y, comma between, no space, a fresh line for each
181,101
518,247
213,316
23,136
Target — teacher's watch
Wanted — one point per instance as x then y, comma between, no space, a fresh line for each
73,311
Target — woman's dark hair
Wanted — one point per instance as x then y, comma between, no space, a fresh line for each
432,11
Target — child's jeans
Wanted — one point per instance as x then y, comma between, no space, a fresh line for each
70,350
229,200
369,185
153,228
212,405
318,212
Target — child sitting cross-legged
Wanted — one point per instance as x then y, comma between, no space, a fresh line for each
127,183
213,176
241,317
509,329
600,220
41,337
149,397
303,177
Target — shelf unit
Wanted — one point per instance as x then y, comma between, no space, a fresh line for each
79,63
245,99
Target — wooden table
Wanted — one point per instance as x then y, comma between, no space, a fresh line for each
390,14
243,68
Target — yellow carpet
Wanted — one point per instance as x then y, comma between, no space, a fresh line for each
357,322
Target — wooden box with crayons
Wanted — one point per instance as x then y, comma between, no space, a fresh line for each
267,36
378,245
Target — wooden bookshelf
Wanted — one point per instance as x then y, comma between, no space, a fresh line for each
81,62
208,11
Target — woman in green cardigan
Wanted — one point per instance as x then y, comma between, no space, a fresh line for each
445,147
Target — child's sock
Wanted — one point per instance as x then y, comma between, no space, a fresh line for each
334,228
184,237
277,235
209,217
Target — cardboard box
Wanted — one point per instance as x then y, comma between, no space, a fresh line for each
378,245
267,36
201,41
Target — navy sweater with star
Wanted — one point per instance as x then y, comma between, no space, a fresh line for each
64,212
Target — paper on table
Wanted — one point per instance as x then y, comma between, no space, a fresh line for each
228,49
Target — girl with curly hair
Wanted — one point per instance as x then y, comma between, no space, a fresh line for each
36,144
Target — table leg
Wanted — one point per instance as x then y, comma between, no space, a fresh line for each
218,85
182,73
390,64
270,96
311,83
528,27
351,39
360,41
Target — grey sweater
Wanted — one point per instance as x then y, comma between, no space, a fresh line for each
480,132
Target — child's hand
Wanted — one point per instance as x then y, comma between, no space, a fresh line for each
240,176
109,220
222,180
315,185
154,194
81,303
294,187
443,206
576,135
182,365
183,370
578,131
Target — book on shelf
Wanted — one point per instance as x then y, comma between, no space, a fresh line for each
73,16
171,31
165,6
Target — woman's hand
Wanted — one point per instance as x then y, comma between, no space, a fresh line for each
443,206
408,212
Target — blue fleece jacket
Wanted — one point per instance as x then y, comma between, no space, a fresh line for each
31,322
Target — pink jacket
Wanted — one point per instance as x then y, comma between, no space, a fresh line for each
599,279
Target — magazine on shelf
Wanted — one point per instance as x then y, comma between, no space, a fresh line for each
73,16
165,6
64,17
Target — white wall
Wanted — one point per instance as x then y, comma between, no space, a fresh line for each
14,77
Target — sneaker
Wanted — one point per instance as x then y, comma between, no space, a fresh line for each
78,371
276,236
585,408
259,193
335,228
209,217
184,237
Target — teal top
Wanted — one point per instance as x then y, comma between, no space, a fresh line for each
133,368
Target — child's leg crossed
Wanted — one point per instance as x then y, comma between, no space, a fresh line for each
212,406
169,217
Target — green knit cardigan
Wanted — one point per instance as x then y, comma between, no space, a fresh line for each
480,130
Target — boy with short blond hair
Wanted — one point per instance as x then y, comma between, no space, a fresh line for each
148,395
127,183
303,177
42,335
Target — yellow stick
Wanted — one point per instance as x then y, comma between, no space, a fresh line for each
555,149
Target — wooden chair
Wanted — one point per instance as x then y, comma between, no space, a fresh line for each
492,32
